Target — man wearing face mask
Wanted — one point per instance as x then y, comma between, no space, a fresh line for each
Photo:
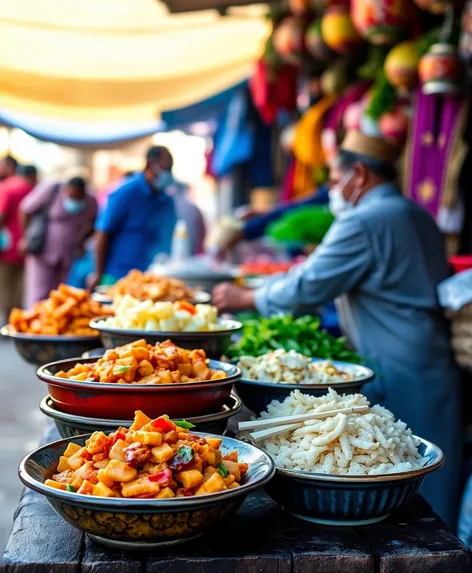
137,222
384,256
71,212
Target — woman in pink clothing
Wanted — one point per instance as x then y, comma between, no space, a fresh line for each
71,218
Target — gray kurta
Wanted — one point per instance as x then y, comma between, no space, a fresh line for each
387,257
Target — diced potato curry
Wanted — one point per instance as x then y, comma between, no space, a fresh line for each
67,311
142,363
152,459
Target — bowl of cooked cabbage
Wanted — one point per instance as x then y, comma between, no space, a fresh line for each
157,378
154,484
191,326
70,425
344,468
55,328
274,375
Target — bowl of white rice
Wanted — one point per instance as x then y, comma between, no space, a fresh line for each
348,469
273,376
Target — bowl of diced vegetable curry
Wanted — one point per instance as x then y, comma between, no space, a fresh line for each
55,328
154,484
156,378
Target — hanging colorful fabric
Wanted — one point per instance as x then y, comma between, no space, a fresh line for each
381,21
436,151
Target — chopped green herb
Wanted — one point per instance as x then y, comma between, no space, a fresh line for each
223,470
120,370
262,335
70,488
184,424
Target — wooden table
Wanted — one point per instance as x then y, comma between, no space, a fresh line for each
261,538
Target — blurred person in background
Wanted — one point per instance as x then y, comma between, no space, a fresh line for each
13,189
137,222
83,266
71,213
187,211
8,167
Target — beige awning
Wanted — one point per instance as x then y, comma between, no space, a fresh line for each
120,60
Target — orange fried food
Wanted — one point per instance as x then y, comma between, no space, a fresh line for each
157,458
146,285
142,363
67,311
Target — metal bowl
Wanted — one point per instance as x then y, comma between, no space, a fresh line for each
94,353
69,425
349,500
144,523
120,401
214,343
38,348
101,295
257,395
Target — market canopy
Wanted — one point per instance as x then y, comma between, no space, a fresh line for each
120,60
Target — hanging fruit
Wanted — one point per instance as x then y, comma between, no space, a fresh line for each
440,70
401,66
314,43
394,125
338,30
381,21
289,40
299,7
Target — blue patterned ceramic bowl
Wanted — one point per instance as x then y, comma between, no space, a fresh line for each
70,425
40,349
257,394
214,343
349,500
144,523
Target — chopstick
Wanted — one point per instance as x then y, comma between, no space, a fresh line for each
274,426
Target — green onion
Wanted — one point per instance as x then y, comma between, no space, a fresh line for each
184,424
120,370
223,470
70,488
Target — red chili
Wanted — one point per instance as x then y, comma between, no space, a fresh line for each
86,455
162,477
183,305
163,424
145,496
118,436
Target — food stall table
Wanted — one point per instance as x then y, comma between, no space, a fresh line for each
260,538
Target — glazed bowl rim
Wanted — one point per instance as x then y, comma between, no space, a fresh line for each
235,326
128,503
8,332
367,376
184,386
382,478
48,409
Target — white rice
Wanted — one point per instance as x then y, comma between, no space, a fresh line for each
372,443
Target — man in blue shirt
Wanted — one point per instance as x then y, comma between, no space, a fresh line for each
137,222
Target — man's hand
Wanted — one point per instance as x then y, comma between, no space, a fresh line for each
93,280
228,296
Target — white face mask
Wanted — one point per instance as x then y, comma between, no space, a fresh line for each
337,203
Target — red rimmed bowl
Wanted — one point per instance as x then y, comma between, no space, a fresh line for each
120,401
38,349
214,343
